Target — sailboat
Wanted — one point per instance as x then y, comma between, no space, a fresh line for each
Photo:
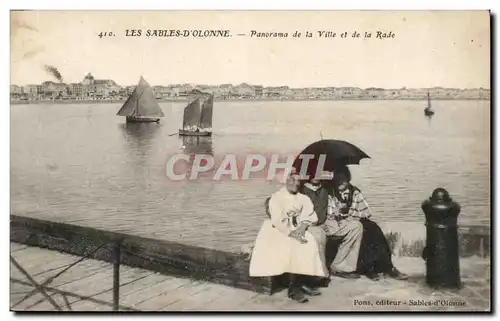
428,110
141,106
197,119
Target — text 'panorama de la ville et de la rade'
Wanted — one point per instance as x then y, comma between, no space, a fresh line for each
224,33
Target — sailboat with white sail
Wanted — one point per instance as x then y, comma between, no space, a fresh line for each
141,106
197,119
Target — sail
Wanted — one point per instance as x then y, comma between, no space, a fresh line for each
128,109
192,114
206,112
428,100
142,102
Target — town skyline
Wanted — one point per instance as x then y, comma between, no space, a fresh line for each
240,82
91,88
194,84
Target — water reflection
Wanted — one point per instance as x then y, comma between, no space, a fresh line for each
192,145
429,120
89,113
196,145
139,139
140,134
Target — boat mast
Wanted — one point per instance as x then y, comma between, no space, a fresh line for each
202,103
137,107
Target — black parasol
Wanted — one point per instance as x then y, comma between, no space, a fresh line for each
338,153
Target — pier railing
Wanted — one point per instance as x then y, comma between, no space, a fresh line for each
161,256
49,292
116,251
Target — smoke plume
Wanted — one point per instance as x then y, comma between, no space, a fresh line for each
54,72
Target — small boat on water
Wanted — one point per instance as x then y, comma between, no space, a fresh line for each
197,119
428,110
141,106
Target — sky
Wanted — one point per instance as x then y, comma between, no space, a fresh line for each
430,48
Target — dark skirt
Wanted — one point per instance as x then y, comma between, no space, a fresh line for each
375,252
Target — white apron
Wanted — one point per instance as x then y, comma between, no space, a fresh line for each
276,253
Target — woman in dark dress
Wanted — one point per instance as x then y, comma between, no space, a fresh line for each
375,252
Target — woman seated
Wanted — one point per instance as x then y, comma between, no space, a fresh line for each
346,200
284,245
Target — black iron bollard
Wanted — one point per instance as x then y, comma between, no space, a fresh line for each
441,251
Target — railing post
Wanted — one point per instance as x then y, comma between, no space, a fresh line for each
116,276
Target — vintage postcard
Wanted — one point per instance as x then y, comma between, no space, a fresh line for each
250,161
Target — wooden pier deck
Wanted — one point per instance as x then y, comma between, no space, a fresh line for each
88,286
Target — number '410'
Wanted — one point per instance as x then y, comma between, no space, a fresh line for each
105,34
